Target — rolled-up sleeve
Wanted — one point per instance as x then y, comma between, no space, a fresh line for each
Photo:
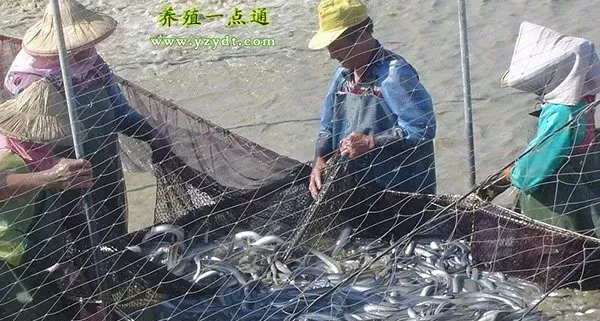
411,103
325,138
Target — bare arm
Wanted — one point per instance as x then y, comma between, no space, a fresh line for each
65,174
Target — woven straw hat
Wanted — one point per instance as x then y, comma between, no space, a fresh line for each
82,28
38,114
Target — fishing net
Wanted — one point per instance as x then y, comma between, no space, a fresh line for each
237,235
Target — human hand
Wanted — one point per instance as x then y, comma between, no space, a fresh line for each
494,185
315,176
356,144
69,174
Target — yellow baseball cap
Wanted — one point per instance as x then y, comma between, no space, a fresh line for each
335,17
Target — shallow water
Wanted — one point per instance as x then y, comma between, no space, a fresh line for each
273,95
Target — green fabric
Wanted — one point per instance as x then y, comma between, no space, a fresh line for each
16,214
544,159
569,202
556,186
30,241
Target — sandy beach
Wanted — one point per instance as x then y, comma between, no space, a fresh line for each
272,95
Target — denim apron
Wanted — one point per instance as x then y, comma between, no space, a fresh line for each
395,166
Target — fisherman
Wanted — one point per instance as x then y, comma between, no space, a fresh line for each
376,106
102,109
557,175
31,177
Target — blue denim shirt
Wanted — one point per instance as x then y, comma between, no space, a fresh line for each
409,103
403,93
128,119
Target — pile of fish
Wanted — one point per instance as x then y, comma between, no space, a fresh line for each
354,280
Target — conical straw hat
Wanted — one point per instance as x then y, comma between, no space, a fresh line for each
82,28
38,114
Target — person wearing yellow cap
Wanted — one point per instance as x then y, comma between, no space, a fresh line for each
102,108
376,106
31,177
